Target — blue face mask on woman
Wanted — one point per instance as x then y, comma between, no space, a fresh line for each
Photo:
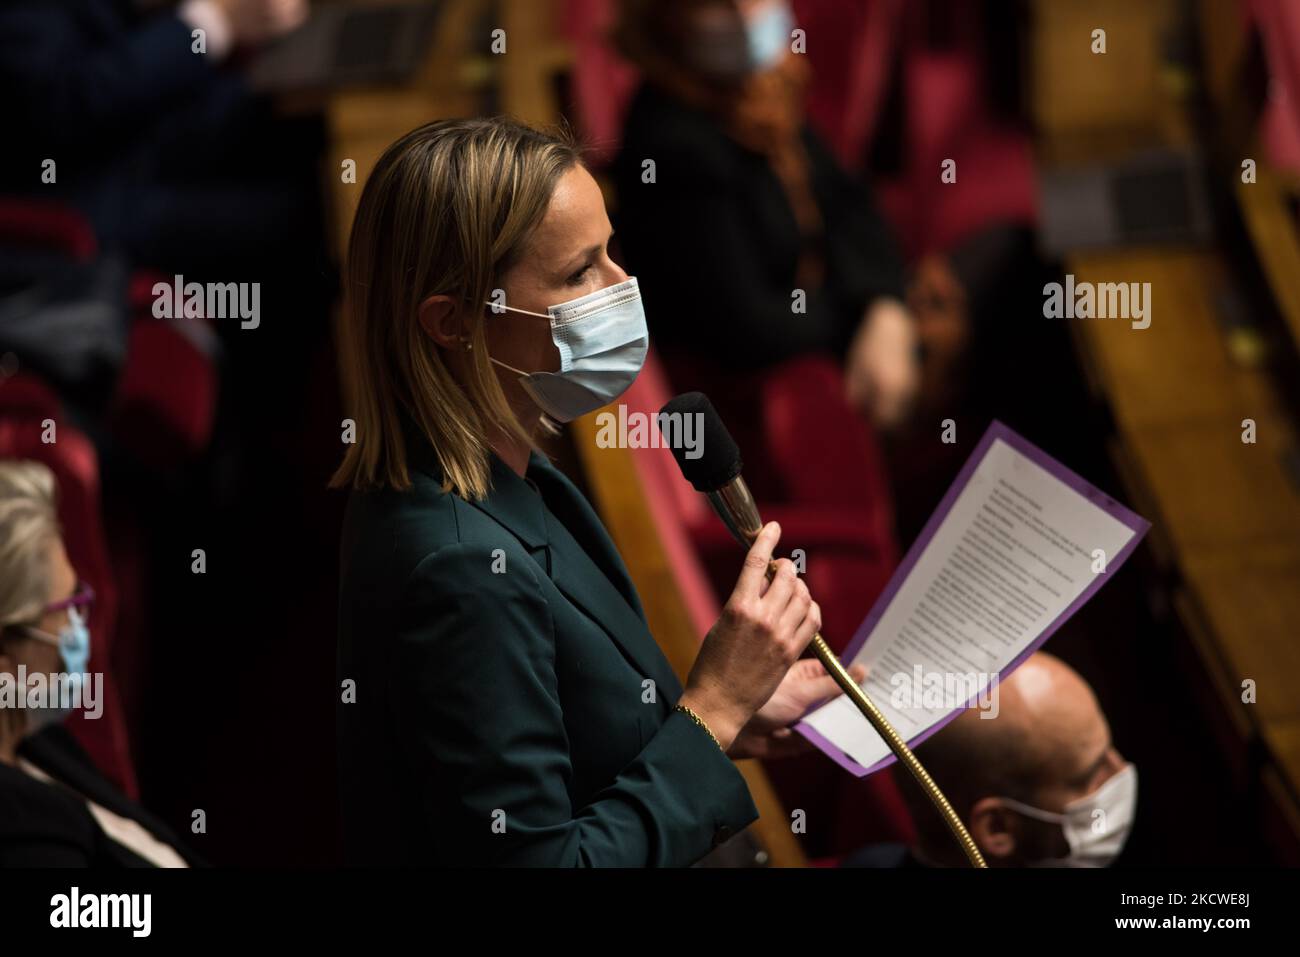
768,35
602,339
73,642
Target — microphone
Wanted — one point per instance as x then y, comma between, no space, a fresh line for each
716,473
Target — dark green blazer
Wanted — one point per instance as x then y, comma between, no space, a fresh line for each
511,706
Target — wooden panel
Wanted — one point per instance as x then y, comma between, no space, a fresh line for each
1226,515
1075,88
1283,740
1178,369
1216,494
1179,400
1251,602
1224,675
533,59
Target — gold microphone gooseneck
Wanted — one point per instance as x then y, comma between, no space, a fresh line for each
735,506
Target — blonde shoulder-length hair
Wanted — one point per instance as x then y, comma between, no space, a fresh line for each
446,211
28,524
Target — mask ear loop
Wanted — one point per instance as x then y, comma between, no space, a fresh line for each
494,306
510,367
1038,813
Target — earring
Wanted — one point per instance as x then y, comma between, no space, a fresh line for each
469,345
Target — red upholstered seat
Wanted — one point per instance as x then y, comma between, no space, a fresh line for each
167,393
165,402
862,44
1278,25
49,226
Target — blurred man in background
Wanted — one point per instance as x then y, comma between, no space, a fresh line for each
1040,784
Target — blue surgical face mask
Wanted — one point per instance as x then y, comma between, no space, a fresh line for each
73,642
602,339
768,35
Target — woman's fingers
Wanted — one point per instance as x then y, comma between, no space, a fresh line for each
809,626
781,591
754,572
796,608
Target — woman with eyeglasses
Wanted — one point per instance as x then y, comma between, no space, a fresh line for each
56,809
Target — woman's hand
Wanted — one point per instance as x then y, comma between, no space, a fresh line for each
764,628
882,371
769,734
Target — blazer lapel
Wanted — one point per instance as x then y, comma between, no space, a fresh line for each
561,531
586,567
575,514
514,503
511,500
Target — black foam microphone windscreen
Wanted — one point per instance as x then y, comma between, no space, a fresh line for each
719,460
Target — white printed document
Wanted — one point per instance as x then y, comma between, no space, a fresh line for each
1017,545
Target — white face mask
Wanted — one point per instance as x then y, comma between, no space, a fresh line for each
602,339
1096,826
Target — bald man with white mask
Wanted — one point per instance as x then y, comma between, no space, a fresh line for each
1038,785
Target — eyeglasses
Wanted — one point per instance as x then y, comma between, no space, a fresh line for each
83,596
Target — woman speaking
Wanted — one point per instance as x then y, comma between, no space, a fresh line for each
502,701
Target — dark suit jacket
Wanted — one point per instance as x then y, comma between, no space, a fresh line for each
501,658
45,825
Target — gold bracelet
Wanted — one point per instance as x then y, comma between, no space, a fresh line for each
700,721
